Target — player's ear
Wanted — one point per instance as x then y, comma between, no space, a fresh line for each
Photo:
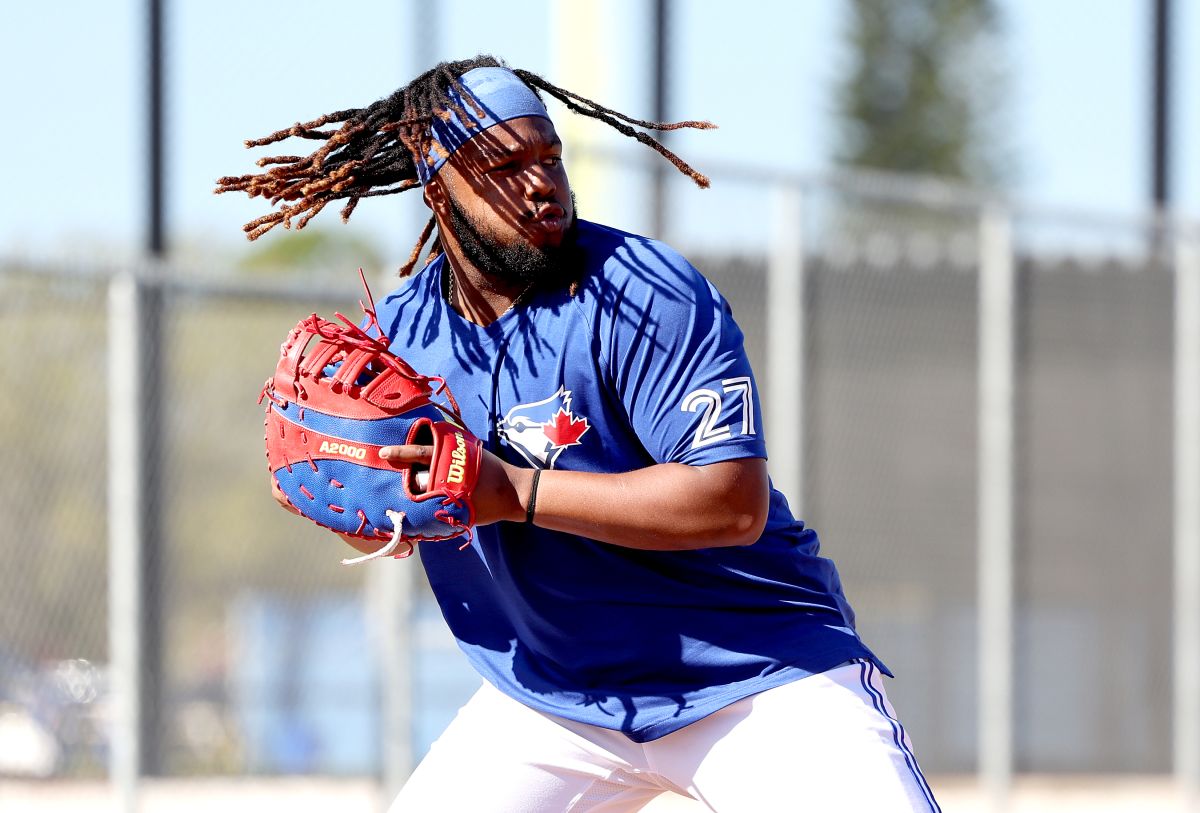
435,196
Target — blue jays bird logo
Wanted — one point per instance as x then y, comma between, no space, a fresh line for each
542,430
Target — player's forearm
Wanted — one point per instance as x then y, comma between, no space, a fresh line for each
669,506
663,507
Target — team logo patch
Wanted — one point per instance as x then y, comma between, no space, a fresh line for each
542,430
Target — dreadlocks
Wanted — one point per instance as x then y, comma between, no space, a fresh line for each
372,152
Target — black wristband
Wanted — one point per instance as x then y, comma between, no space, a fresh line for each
532,502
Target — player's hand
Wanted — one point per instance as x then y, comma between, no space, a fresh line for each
500,493
360,545
281,498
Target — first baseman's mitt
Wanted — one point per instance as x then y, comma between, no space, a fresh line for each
337,397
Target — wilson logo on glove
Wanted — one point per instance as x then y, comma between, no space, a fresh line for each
337,397
458,457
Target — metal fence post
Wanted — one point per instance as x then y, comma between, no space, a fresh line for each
126,533
391,596
785,345
995,506
391,585
1187,519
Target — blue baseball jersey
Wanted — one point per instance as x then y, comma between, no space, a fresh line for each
643,365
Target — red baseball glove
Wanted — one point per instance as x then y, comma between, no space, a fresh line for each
337,397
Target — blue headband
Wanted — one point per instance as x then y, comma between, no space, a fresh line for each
499,93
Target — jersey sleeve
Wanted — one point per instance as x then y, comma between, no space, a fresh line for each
679,366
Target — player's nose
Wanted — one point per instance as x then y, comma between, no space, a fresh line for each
539,185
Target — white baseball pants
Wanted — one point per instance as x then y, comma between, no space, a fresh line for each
826,742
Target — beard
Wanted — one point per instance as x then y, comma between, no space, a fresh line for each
520,263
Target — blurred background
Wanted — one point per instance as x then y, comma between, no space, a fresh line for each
962,238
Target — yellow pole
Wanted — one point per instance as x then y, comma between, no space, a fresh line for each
583,34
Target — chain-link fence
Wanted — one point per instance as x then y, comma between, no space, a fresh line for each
264,655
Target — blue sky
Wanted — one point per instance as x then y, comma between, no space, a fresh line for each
1076,115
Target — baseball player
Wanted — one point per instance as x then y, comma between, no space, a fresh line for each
645,611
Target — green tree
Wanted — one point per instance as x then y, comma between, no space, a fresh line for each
923,94
312,251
